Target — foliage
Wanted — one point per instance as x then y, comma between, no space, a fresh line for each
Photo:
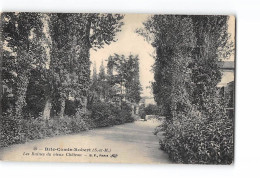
46,71
186,73
124,72
57,46
151,109
213,45
22,34
71,107
199,140
99,83
72,36
22,130
133,86
104,114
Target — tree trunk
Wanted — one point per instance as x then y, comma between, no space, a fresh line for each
62,107
47,110
137,110
22,85
133,109
84,104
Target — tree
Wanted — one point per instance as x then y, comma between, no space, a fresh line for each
94,76
102,79
124,73
212,46
173,39
133,86
110,78
73,35
99,82
116,77
102,74
23,52
186,74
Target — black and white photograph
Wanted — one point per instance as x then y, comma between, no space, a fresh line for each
117,88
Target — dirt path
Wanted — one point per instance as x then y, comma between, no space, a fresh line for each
127,143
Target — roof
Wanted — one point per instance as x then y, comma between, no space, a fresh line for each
227,65
147,97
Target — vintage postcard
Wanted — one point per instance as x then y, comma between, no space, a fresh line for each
117,88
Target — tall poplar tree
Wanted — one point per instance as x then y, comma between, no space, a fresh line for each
186,72
22,53
73,36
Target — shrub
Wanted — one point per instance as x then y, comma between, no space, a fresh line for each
101,115
151,109
108,115
19,130
199,140
9,131
71,107
125,113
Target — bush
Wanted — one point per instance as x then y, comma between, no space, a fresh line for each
125,113
151,109
19,130
104,114
71,107
9,131
199,140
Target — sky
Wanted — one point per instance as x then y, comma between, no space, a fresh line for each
129,42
